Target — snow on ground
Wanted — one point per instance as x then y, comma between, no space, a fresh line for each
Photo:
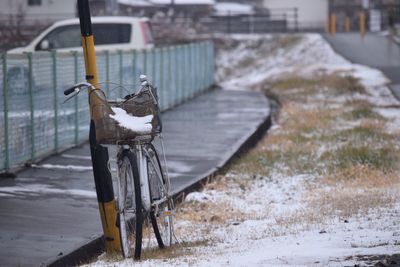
264,220
62,167
305,56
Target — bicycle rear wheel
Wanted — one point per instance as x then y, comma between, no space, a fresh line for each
130,218
160,215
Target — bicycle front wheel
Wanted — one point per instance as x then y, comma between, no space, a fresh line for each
130,221
160,214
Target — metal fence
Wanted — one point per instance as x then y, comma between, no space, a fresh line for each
276,20
35,122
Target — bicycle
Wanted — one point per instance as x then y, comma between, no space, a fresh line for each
143,189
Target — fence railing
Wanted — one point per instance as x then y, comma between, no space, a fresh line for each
35,122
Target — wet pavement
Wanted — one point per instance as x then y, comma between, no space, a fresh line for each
375,51
50,210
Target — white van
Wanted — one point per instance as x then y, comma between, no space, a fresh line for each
110,33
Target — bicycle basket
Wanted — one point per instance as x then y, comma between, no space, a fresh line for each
110,131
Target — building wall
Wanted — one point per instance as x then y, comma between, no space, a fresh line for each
47,10
310,12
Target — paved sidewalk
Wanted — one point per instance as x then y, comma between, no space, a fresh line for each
51,209
375,51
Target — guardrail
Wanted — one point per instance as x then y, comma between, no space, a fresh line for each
34,122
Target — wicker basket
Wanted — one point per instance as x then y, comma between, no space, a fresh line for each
108,131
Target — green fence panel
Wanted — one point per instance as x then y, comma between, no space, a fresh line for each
35,122
19,111
4,140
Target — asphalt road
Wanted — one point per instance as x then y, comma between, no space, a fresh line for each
51,209
375,51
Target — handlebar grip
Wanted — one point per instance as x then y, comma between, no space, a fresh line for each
69,90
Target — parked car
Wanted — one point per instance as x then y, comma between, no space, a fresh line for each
110,33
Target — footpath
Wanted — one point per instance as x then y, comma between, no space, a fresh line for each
49,213
374,50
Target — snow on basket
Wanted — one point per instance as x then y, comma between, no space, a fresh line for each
140,125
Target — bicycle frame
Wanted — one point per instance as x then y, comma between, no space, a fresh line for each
144,182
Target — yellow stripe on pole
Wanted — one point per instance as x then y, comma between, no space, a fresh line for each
90,60
362,24
333,24
327,25
346,24
111,233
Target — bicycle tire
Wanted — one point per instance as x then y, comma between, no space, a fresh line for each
162,223
130,216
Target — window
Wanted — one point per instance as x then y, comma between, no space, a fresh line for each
148,33
70,36
63,37
111,33
34,2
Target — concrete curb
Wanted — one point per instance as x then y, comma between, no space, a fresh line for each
80,255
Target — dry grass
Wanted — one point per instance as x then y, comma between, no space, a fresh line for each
210,212
336,82
362,177
383,159
352,162
362,111
359,164
175,251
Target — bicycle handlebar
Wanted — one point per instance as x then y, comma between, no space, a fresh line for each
69,90
77,86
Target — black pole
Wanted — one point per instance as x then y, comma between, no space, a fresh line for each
84,17
99,153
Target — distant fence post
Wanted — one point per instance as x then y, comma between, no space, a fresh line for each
177,74
251,22
121,73
107,85
174,74
194,69
362,24
229,22
76,100
212,62
5,110
161,91
199,67
187,70
296,19
327,24
153,65
333,25
31,106
134,66
347,24
144,71
171,90
182,71
54,59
